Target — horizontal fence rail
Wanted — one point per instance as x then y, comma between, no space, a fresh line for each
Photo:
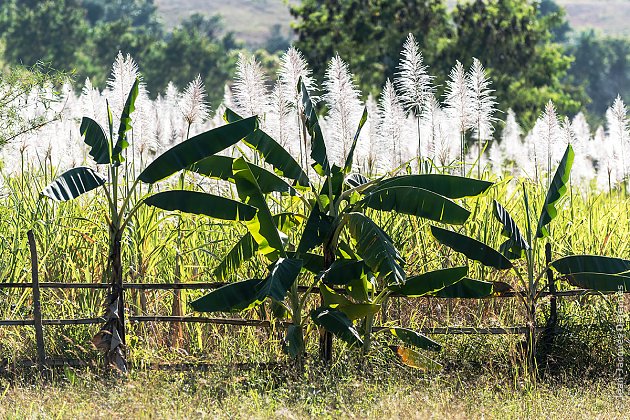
38,322
313,290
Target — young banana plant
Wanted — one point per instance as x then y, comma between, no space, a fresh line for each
124,198
519,254
354,262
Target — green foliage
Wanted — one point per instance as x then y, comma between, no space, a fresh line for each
602,66
510,37
87,35
513,41
368,34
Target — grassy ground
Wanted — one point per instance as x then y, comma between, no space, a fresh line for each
225,393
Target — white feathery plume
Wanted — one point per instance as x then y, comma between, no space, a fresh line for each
511,146
547,130
458,105
390,128
414,84
193,104
281,126
580,127
293,66
618,132
249,89
445,147
431,119
482,107
342,99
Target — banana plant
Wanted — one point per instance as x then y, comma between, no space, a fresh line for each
125,196
519,252
352,261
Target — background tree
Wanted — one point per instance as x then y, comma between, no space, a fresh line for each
368,34
602,66
513,40
28,27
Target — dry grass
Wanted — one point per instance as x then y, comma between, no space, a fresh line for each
230,394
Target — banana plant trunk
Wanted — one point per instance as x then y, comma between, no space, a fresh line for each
325,337
111,337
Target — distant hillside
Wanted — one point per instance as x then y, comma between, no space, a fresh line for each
251,20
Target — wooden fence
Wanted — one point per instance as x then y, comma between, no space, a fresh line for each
38,322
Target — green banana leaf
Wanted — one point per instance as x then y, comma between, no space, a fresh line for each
347,167
450,186
234,297
467,289
272,152
202,203
318,146
431,281
220,167
338,323
283,274
242,251
590,264
471,248
415,339
73,183
556,191
318,227
516,243
95,137
341,272
262,227
125,124
601,282
376,248
197,148
416,202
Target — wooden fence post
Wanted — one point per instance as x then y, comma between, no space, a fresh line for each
37,308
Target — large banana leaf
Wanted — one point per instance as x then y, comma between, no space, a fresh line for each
317,229
471,248
242,251
341,272
353,311
202,203
590,264
95,137
196,148
338,323
283,274
431,281
262,227
601,282
467,289
311,262
272,152
516,243
125,124
376,248
416,202
73,183
556,191
318,146
450,186
415,339
232,297
347,167
220,167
